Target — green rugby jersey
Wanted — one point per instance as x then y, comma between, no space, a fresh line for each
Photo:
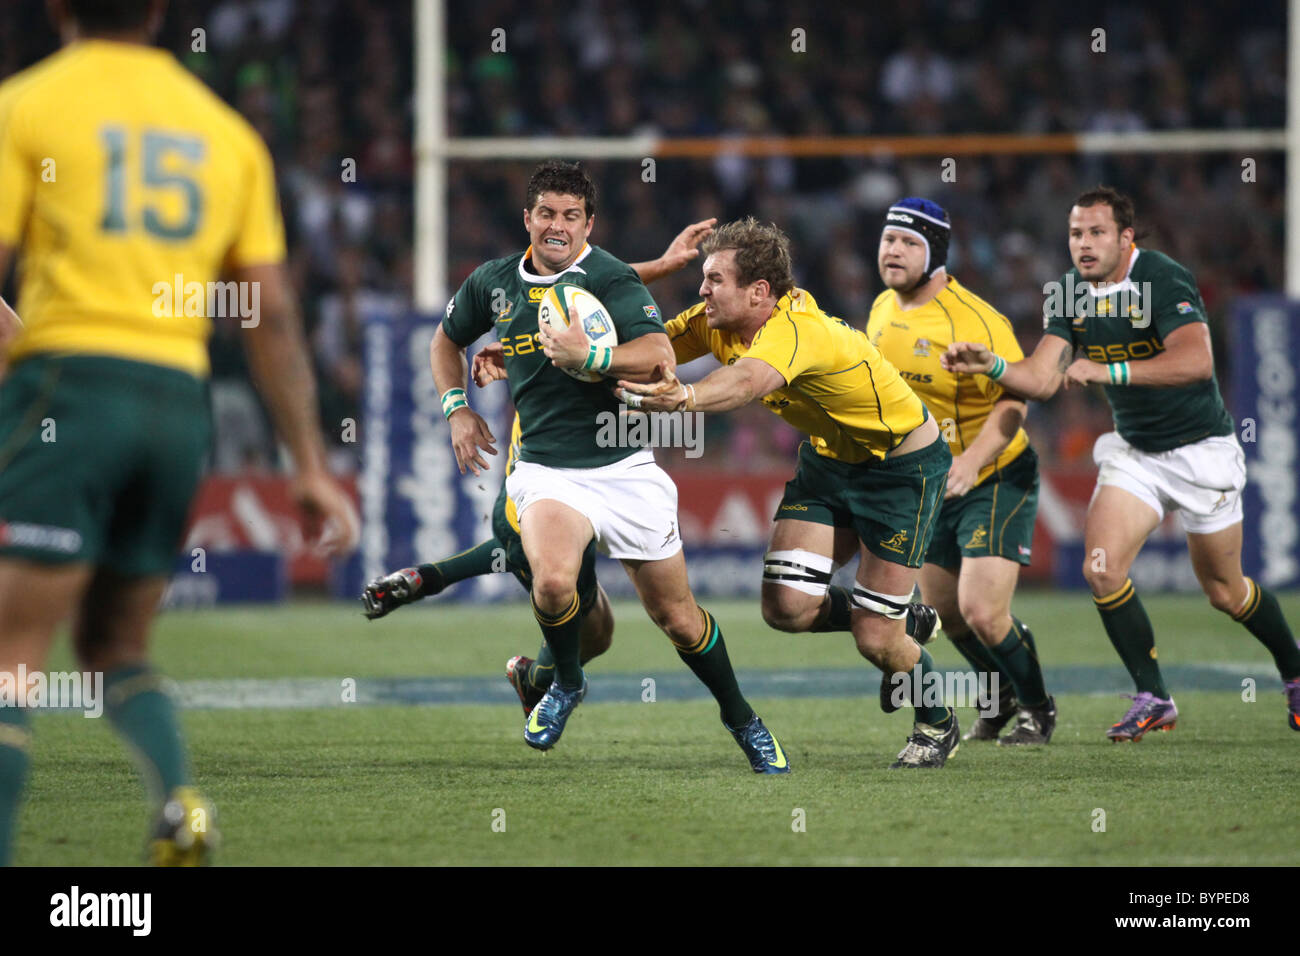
560,417
1127,321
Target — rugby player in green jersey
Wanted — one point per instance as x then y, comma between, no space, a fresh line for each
530,677
568,486
1140,324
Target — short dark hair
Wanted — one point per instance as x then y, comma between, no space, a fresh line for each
567,179
762,252
1121,206
110,14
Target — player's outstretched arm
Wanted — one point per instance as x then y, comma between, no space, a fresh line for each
470,434
278,360
681,252
1037,377
1187,358
729,387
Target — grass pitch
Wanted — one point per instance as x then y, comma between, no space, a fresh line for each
662,783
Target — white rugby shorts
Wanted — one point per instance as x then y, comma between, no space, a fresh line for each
1202,481
631,504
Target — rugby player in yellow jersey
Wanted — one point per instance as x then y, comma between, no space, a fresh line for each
985,527
123,175
870,478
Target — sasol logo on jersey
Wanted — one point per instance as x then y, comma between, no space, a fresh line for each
1123,351
520,344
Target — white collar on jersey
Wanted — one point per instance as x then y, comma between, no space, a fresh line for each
1123,285
547,280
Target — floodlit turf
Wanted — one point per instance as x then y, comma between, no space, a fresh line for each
662,782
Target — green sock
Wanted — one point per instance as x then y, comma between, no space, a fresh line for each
1262,616
1018,662
145,715
1129,630
542,672
15,738
561,634
707,658
938,714
484,558
1026,635
839,618
976,654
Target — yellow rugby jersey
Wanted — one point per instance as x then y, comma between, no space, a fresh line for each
914,339
839,389
122,178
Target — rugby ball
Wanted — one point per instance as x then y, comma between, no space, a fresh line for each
595,319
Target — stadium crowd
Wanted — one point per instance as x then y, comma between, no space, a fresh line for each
331,80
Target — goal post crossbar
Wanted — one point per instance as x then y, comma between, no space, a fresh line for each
669,147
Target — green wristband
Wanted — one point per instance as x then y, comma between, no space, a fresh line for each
599,357
452,400
999,367
1119,373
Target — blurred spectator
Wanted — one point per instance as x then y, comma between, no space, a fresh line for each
328,83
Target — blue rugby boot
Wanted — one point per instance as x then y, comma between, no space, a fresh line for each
764,753
546,722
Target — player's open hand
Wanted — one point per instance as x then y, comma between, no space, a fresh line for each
567,348
685,247
967,358
489,365
962,476
470,436
330,512
1085,372
664,394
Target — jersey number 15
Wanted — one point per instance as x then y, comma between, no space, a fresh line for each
156,147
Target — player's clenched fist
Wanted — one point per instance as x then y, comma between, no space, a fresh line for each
967,358
470,435
392,590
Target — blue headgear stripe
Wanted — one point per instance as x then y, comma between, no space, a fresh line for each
914,215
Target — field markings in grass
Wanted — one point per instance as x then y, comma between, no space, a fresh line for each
305,693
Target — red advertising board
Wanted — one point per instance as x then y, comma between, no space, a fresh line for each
715,508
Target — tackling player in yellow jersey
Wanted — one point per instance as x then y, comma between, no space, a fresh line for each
986,524
155,182
869,480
